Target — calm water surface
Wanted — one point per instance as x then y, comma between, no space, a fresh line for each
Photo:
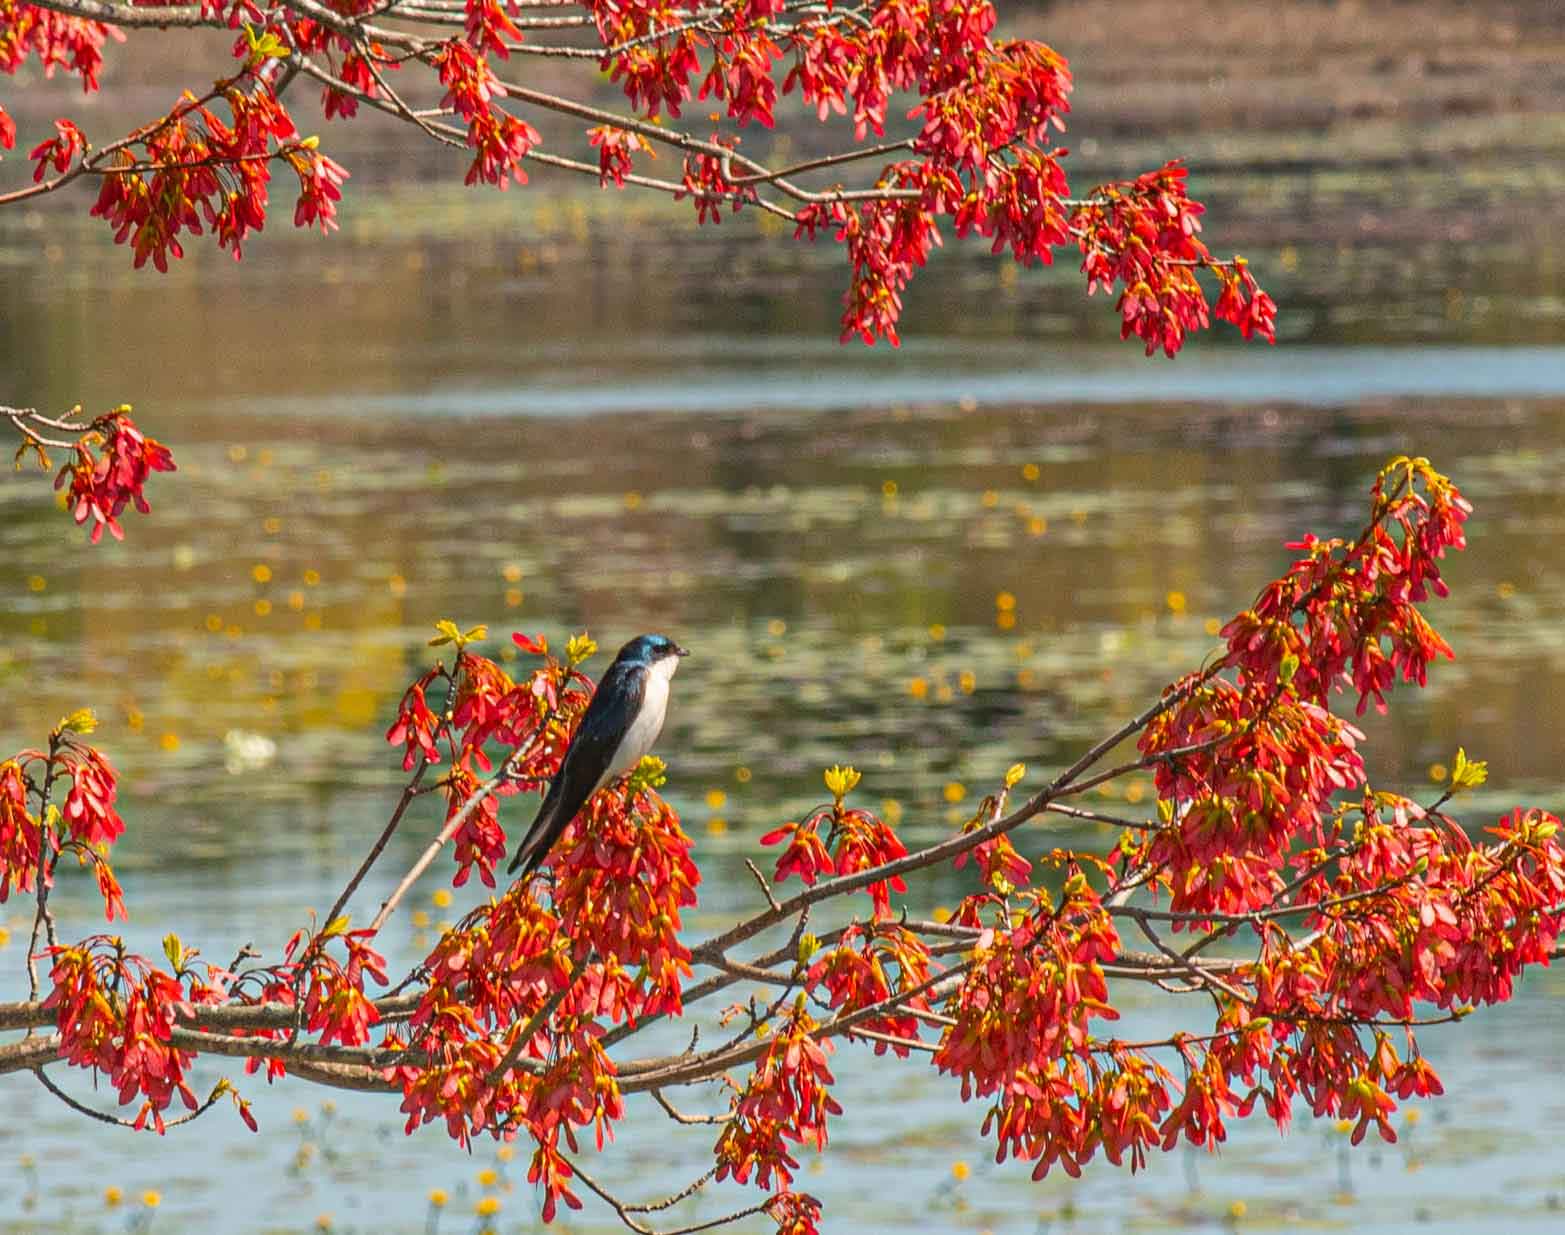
563,423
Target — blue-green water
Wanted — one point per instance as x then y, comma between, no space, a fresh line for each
444,423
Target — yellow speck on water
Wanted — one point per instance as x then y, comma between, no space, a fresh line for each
261,572
960,1171
300,1115
272,525
234,631
420,919
5,937
990,499
717,825
954,791
312,621
263,607
36,583
715,798
888,489
967,681
1135,791
1026,679
112,1196
777,628
937,632
311,577
1175,602
1438,771
296,600
487,1206
1005,602
1030,471
1503,590
152,1198
505,1153
512,572
918,688
1213,627
891,811
323,1223
1344,1126
1005,619
398,585
632,500
743,774
513,596
441,897
438,1197
1037,527
214,622
1413,1116
487,1178
1238,1210
940,913
169,742
237,454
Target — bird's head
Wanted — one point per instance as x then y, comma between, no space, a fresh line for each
653,651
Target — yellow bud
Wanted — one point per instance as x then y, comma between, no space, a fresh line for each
840,781
1014,775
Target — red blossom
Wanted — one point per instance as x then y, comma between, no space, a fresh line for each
102,485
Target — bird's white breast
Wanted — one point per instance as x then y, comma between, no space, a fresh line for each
648,722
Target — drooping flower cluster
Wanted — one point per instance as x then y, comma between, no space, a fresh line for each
58,40
785,1102
116,1014
88,824
109,467
983,160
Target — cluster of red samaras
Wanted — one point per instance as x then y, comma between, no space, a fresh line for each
109,467
982,160
1366,909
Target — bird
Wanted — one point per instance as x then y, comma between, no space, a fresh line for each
621,723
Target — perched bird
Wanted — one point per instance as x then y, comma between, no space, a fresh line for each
621,724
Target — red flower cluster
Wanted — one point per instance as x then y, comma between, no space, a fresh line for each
19,833
102,485
615,148
72,43
869,965
501,139
91,822
856,840
1143,236
116,1014
785,1102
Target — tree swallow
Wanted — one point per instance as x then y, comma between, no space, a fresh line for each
621,724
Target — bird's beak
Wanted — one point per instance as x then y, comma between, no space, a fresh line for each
679,651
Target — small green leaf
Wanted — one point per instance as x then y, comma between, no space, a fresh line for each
82,720
337,926
1467,773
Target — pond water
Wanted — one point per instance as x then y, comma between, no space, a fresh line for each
546,418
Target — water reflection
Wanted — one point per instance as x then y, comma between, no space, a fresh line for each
934,564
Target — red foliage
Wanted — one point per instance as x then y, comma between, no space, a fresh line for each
785,1102
103,484
988,111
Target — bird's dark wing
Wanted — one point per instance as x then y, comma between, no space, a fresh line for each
609,714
